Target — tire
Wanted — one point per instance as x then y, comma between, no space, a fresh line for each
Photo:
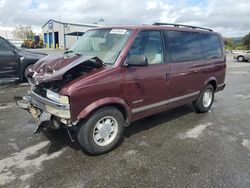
205,100
241,58
98,135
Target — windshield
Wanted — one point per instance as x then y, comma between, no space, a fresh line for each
106,44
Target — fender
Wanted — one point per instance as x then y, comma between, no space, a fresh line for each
104,102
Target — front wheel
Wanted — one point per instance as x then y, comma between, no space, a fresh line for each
102,132
205,100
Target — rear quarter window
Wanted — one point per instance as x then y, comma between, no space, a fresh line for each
211,46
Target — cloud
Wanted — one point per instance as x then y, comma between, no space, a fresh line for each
229,17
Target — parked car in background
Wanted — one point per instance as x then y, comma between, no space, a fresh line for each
228,51
115,75
14,61
242,56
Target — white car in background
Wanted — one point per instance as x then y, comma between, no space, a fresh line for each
242,56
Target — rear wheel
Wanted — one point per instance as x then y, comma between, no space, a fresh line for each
205,100
102,132
241,59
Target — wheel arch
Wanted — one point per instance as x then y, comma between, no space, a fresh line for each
212,81
24,66
118,103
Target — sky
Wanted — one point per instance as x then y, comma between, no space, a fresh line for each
229,17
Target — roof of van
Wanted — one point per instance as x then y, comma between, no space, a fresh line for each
160,27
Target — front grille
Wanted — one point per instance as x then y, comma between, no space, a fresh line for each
40,91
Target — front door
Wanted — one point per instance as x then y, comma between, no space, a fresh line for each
9,64
147,87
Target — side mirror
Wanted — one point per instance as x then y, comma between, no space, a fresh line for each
137,60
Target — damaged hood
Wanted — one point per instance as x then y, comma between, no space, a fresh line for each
53,67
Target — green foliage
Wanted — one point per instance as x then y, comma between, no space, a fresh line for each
240,46
229,47
246,41
237,43
228,43
23,32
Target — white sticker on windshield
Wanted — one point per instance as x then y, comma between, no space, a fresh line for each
118,31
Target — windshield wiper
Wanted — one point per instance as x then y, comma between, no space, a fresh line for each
71,51
68,51
106,63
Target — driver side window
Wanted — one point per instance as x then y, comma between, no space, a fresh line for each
4,46
149,44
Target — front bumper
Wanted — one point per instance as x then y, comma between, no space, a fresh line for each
34,101
57,109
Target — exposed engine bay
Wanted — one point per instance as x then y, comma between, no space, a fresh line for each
70,75
57,75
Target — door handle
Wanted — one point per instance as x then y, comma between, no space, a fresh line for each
167,76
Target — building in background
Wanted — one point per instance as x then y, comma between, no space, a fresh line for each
63,35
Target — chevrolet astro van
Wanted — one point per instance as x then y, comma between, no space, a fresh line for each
115,75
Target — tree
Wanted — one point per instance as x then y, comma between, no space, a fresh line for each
229,44
23,32
246,41
240,46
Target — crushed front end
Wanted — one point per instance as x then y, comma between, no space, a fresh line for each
47,78
46,106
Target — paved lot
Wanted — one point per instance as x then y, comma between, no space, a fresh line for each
177,148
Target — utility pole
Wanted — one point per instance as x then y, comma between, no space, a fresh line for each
65,27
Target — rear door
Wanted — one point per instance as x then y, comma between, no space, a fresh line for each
185,61
9,63
147,87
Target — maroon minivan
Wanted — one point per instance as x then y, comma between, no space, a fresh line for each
115,75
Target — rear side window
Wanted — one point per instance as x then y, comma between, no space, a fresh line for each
184,46
211,46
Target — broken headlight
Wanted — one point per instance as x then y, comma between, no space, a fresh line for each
56,97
